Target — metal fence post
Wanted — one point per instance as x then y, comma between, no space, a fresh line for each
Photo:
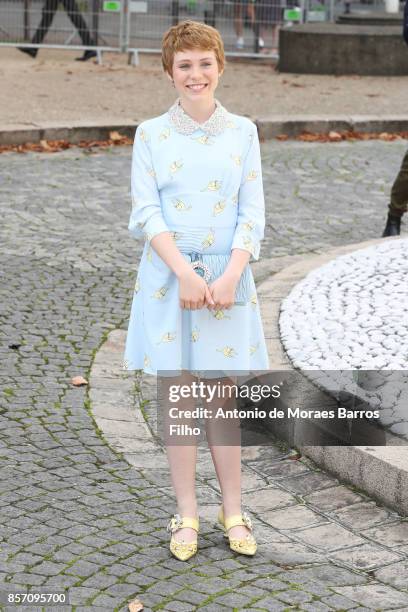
123,25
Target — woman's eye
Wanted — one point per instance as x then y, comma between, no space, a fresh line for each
186,65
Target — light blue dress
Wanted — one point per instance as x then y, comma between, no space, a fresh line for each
202,183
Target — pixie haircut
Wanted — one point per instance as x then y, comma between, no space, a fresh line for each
191,35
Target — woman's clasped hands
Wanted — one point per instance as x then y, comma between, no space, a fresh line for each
194,293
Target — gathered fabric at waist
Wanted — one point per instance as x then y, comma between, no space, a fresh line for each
216,240
212,247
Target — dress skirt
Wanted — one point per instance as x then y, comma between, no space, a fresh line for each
164,338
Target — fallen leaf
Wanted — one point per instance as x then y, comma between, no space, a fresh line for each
334,136
115,136
77,381
135,605
282,137
44,144
386,136
308,137
295,456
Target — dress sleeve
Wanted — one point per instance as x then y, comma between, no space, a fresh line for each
146,218
250,226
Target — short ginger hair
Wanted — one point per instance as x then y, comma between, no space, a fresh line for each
191,35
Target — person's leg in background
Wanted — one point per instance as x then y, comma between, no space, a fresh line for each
398,201
79,22
48,11
275,36
238,25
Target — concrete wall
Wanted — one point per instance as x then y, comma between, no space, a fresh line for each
343,49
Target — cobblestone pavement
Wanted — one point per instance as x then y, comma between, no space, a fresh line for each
73,512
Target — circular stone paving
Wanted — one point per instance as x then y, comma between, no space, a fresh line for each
352,314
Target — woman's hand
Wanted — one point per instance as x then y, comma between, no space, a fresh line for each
193,291
223,291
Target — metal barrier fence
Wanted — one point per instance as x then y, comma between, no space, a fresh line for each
240,25
248,27
77,24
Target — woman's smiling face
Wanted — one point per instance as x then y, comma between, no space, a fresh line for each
195,67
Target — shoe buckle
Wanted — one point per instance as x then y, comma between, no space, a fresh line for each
174,523
247,520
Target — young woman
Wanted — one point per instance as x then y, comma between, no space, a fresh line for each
197,198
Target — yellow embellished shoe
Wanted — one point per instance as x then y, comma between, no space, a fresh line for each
180,549
246,546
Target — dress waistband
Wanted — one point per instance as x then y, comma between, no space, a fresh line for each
216,240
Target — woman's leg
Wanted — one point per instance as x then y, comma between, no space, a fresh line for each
238,25
224,440
182,458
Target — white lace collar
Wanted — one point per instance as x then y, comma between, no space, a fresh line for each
183,123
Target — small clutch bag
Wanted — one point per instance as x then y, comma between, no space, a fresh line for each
211,266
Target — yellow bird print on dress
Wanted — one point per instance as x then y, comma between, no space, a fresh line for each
208,240
195,334
205,140
220,314
253,348
252,175
137,285
135,203
146,361
151,172
248,244
143,135
219,207
236,159
180,205
164,134
231,125
254,300
167,337
249,226
160,293
175,166
228,351
212,186
235,199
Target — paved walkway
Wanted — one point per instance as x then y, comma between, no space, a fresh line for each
73,512
40,92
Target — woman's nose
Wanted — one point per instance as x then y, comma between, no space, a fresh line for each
195,72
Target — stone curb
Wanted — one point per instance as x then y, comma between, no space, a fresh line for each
382,472
292,126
